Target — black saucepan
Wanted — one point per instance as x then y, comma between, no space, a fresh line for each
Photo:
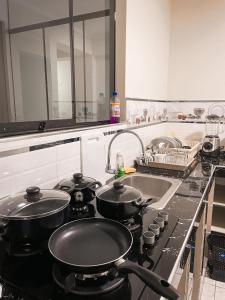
81,189
94,245
119,201
32,216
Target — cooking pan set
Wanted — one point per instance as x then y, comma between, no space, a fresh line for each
88,246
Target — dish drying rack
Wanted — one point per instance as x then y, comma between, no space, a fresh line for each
180,159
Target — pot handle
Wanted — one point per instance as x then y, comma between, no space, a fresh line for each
151,279
94,186
3,226
143,202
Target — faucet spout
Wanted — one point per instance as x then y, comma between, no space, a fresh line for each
108,165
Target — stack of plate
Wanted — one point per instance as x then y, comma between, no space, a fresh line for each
162,144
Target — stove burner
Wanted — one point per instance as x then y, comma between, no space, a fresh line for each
86,285
81,210
134,225
24,249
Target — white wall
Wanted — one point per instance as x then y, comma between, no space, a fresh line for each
147,48
175,49
197,54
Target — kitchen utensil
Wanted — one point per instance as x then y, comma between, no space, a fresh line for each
217,110
33,215
119,202
80,188
95,245
161,144
199,111
159,158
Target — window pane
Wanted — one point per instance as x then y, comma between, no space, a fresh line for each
97,69
27,12
79,71
87,6
29,76
58,61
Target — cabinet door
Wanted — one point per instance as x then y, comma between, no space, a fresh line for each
210,208
183,286
198,259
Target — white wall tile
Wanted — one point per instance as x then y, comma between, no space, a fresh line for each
7,186
68,166
69,150
36,176
93,156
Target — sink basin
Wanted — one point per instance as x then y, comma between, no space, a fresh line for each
159,188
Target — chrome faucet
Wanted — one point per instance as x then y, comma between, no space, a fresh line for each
108,168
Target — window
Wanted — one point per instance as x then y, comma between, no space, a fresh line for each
60,63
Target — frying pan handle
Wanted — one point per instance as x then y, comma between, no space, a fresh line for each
143,202
154,281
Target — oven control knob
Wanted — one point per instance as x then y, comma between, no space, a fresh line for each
160,221
149,238
164,214
154,228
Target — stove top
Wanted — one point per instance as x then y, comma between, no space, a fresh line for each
36,277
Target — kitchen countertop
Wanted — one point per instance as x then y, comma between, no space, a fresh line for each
185,204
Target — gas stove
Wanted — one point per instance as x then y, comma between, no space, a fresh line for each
37,276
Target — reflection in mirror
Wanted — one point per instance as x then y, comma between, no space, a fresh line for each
93,103
29,76
80,91
86,6
57,44
28,12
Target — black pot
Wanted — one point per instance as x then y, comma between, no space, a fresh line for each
81,189
119,202
32,217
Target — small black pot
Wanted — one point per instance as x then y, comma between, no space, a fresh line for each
81,189
119,202
31,217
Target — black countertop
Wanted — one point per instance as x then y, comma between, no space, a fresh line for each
185,204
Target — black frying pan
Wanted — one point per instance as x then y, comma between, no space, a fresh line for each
94,245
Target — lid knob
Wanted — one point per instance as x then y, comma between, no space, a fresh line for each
33,190
77,177
118,186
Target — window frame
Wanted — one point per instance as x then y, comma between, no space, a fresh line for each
31,127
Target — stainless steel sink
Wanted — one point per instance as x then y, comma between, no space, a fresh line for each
159,188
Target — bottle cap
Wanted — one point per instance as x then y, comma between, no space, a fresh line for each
114,93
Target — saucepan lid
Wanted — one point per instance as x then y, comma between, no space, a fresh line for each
77,182
118,192
33,203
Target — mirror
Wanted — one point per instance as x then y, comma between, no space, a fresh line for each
56,58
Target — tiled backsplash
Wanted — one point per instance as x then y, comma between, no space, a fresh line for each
142,111
45,167
86,150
